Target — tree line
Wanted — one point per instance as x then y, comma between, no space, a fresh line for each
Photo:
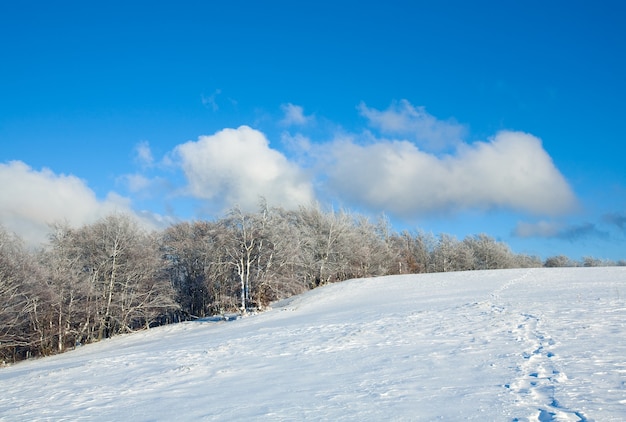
112,277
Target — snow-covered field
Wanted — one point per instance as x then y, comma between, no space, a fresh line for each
511,345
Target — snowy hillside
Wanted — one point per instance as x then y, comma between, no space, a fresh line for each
509,345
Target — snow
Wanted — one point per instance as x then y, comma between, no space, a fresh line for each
507,345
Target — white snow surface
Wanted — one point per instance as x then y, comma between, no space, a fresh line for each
505,345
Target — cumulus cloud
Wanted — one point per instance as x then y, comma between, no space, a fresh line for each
511,171
415,124
30,200
237,166
294,115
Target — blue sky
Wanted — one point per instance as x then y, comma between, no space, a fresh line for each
505,118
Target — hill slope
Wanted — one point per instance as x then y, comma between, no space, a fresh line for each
538,344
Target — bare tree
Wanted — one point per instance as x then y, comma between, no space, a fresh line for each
443,254
559,261
325,244
241,249
527,261
367,248
413,252
198,268
22,300
120,276
489,254
281,272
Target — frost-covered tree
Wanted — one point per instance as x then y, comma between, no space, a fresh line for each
122,275
559,261
489,254
70,312
444,254
14,297
326,244
278,265
413,252
198,267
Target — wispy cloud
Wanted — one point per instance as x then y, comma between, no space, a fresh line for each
557,230
294,115
415,124
211,100
143,154
582,231
137,182
615,219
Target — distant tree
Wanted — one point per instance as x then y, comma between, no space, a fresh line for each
464,257
558,261
372,252
412,251
489,254
527,261
443,254
589,261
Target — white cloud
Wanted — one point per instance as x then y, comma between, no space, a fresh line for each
237,166
30,200
511,171
415,124
137,182
298,142
211,100
144,154
294,115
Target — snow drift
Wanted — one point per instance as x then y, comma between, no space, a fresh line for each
509,345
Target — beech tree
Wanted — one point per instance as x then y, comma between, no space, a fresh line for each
70,311
24,302
488,254
14,297
120,276
443,254
198,267
324,244
262,251
244,238
278,266
413,252
558,261
368,248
